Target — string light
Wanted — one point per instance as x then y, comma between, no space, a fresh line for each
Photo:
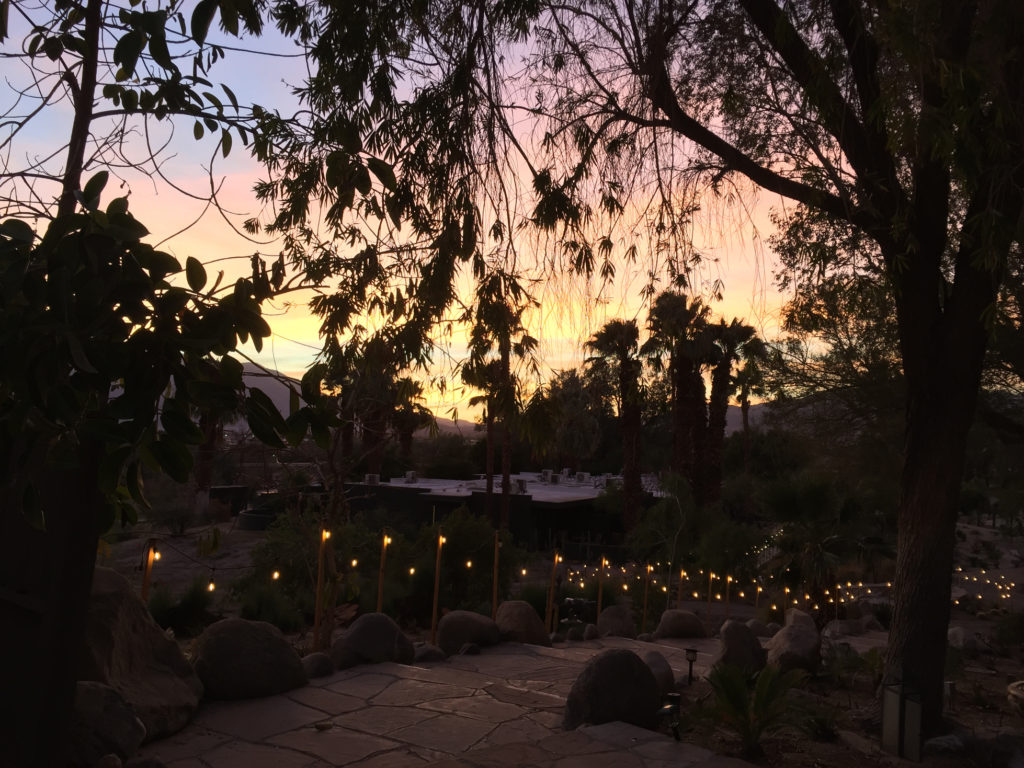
412,571
275,575
354,562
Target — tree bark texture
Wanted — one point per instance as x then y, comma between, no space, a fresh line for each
45,587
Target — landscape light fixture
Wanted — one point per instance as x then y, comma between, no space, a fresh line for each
691,656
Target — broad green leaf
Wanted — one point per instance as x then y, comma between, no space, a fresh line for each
383,171
17,230
128,50
195,274
93,188
158,50
117,207
230,95
225,142
173,457
136,488
202,17
198,130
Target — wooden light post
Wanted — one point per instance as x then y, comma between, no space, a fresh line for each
647,587
494,593
318,643
728,581
711,577
151,555
437,584
385,540
549,613
600,577
679,597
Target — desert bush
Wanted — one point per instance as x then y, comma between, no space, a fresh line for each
187,615
260,600
752,707
1009,631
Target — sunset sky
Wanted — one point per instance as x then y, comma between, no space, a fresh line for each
728,234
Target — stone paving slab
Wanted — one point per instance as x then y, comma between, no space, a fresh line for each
499,709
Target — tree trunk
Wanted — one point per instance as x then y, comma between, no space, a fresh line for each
489,467
46,579
745,410
631,489
718,412
507,408
933,466
506,476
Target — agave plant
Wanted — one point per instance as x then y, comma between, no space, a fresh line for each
755,706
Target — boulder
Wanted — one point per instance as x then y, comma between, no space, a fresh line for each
797,645
425,652
460,627
614,685
662,672
590,632
317,664
239,659
739,647
518,621
128,651
759,628
373,638
773,628
469,649
574,634
958,637
645,637
616,621
842,628
102,723
679,623
868,623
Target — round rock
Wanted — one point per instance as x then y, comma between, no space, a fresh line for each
460,627
373,638
239,659
678,623
614,685
616,621
518,621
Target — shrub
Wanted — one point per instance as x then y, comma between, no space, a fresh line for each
186,616
1009,631
263,601
753,707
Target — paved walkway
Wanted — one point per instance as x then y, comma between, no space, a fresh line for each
501,708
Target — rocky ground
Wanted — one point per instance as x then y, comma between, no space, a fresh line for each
847,719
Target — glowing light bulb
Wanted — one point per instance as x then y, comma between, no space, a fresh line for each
412,571
275,575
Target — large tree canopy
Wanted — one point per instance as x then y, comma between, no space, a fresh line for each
898,120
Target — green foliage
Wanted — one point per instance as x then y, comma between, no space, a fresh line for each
291,548
262,600
176,518
664,529
188,614
447,456
752,707
820,723
119,321
1009,631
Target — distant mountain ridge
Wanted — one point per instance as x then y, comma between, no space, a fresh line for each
275,386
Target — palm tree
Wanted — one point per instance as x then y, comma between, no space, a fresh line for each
616,346
730,340
750,382
501,302
485,376
409,415
677,327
